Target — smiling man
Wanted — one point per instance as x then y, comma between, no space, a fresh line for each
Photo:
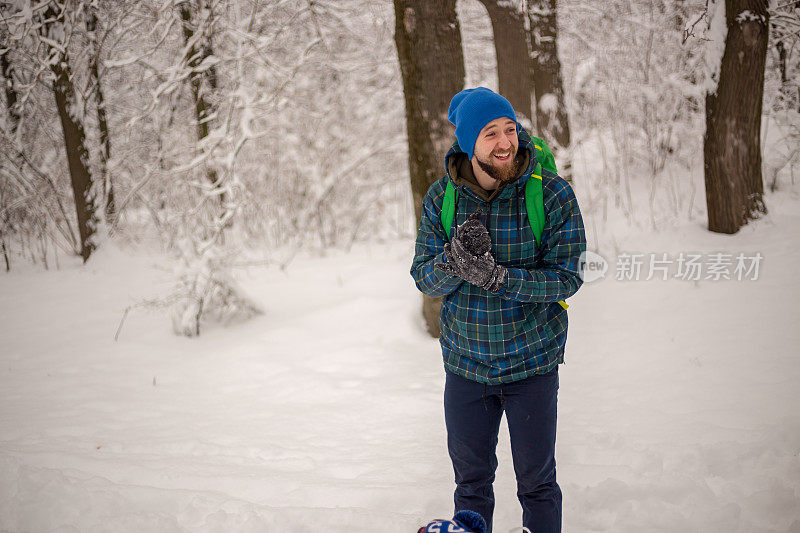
495,161
503,321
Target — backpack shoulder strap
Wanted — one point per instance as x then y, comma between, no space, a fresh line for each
534,203
534,200
449,207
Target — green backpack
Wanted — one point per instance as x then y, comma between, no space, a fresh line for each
534,200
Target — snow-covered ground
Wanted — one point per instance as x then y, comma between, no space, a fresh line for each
678,401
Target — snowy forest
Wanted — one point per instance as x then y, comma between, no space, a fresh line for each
207,216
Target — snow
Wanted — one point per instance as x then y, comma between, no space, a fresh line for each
585,71
747,15
678,400
715,46
548,104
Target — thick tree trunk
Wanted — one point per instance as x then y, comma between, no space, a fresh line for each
428,40
552,121
102,119
732,144
514,66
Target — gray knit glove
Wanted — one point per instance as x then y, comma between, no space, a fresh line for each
477,268
474,235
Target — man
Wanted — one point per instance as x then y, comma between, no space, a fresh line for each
503,330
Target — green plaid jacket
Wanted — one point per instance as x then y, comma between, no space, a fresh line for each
522,330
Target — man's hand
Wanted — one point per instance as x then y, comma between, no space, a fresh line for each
477,268
474,235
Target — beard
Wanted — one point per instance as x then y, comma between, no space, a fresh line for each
504,173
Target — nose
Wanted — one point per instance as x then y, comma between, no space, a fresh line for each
504,142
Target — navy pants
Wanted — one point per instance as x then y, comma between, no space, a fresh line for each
472,413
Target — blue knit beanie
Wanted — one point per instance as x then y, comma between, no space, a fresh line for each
472,109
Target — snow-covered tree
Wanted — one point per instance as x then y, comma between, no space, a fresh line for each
732,143
512,49
552,120
785,26
54,26
252,126
52,72
428,37
94,37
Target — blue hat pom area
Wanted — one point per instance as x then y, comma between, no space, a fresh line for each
463,522
471,521
471,110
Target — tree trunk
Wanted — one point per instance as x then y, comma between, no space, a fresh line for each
5,255
732,144
514,66
10,90
102,119
428,40
787,90
201,81
785,22
12,124
74,139
552,122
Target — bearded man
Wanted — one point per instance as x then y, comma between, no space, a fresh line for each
502,328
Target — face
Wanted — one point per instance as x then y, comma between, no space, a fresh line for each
496,149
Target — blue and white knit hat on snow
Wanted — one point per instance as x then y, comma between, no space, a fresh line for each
471,110
463,522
